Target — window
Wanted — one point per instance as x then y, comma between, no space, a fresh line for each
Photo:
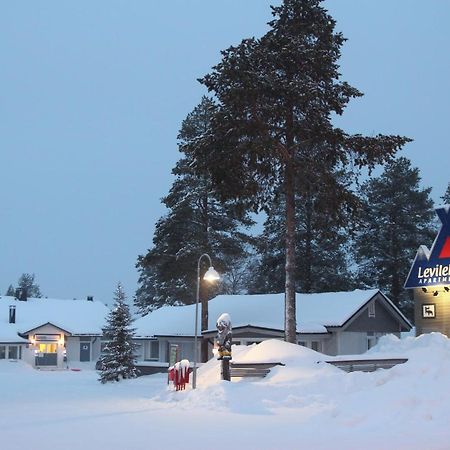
2,351
371,309
316,346
152,350
13,352
302,343
47,348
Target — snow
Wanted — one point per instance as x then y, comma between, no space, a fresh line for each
75,316
314,312
305,404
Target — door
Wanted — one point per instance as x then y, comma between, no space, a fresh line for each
85,351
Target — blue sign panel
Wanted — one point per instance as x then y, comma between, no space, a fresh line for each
432,267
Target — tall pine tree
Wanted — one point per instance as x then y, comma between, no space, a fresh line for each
321,238
118,360
272,124
196,223
397,217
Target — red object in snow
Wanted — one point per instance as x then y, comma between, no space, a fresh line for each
179,374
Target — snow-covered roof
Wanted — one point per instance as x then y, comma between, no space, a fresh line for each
315,312
77,317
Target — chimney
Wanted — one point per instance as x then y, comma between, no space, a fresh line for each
90,298
12,314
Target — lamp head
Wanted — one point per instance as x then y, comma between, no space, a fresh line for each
211,275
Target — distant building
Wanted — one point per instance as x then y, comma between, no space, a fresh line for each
51,333
332,323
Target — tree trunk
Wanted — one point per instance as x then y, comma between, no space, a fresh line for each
290,306
307,287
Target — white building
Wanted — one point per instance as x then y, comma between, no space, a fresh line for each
334,323
49,332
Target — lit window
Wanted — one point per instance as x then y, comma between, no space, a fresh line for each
47,348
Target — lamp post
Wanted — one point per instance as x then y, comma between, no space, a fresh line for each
211,275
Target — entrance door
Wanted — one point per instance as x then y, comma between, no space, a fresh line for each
85,351
47,354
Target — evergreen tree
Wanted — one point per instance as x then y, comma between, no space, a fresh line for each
11,292
117,360
275,97
320,245
28,287
397,217
446,196
196,223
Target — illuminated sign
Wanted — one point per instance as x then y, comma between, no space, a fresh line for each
432,267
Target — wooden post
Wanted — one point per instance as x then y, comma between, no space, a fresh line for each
226,369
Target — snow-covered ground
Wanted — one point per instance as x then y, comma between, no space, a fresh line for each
304,405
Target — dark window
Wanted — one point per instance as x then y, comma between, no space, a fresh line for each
315,345
13,352
2,351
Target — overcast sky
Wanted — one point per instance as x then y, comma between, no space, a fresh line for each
92,95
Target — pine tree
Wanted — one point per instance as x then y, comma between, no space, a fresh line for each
275,97
320,245
446,196
397,217
11,292
196,223
27,285
117,360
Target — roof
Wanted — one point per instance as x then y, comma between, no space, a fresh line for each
315,312
75,316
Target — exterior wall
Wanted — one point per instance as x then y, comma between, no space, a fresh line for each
441,302
73,348
186,348
383,322
352,343
330,345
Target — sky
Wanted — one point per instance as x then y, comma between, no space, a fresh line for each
92,95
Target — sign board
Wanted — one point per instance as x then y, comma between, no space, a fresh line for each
47,337
432,267
429,311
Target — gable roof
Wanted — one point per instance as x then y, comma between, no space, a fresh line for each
315,312
78,317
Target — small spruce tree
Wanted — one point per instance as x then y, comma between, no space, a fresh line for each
117,360
11,292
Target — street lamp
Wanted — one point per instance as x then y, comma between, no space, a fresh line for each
211,276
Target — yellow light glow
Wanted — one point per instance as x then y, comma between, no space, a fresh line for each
211,275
